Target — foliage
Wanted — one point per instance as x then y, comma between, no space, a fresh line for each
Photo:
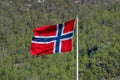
99,26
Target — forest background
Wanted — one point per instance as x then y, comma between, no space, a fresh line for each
99,39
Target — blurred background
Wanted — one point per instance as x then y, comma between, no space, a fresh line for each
99,39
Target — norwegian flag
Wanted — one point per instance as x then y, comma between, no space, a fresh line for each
52,39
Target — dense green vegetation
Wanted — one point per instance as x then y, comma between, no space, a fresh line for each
99,26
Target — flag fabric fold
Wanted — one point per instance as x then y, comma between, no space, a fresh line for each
52,39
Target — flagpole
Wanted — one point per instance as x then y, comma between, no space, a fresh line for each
77,65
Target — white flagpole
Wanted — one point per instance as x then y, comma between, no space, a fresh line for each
77,73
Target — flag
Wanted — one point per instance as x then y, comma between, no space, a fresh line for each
52,39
